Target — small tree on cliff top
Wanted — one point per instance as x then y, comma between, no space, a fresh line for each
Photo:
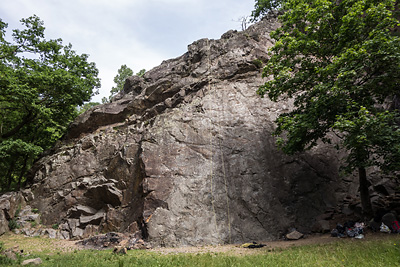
41,84
123,73
340,61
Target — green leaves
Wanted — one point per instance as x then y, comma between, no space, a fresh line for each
15,157
123,73
263,7
11,148
372,139
340,61
41,84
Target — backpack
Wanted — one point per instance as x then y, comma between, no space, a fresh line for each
395,227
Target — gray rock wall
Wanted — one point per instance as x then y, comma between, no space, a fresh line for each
185,156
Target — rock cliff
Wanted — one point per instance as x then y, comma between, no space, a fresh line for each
185,156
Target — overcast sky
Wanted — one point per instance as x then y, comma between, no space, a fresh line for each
138,33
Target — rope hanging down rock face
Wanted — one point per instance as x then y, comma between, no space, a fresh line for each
212,92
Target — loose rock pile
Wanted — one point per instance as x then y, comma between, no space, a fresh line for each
114,240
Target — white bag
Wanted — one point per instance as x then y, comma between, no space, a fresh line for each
384,228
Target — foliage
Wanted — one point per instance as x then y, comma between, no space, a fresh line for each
141,73
41,83
34,210
340,61
263,7
4,260
15,157
87,106
18,211
258,63
13,224
123,73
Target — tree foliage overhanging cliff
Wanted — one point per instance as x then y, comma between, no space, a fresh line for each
340,61
41,84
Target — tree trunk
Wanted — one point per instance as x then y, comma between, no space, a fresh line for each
9,176
364,192
23,170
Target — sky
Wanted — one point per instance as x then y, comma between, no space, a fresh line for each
138,33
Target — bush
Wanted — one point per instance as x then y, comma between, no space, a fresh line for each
13,224
258,63
17,211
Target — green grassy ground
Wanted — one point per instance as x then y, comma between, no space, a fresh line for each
380,252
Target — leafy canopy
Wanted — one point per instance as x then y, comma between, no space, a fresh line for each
340,62
41,84
263,7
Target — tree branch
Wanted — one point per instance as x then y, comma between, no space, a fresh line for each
28,118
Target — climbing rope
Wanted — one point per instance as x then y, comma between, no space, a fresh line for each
212,92
226,192
211,145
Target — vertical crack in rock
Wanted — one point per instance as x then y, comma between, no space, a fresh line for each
135,197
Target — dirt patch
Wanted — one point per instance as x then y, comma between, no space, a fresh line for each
237,250
51,246
38,244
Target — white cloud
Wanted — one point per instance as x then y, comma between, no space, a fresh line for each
134,32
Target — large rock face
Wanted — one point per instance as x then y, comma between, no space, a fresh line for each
185,156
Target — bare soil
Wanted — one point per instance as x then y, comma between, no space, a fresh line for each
51,246
270,246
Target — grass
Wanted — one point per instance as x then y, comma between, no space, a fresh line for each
344,252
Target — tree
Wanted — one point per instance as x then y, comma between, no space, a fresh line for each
263,7
41,84
123,73
86,106
141,73
340,62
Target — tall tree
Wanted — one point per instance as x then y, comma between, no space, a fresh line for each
340,61
41,84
